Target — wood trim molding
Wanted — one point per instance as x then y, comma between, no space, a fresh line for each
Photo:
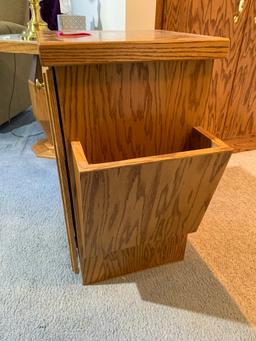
131,46
159,14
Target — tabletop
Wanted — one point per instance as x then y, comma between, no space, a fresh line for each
128,46
117,46
12,43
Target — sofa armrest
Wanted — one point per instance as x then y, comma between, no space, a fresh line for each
15,93
7,27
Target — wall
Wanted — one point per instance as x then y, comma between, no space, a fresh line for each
89,8
113,14
116,14
140,14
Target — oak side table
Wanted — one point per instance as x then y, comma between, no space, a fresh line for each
137,171
12,43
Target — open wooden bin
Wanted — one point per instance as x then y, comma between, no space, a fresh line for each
137,213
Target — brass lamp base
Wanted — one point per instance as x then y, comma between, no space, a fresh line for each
36,23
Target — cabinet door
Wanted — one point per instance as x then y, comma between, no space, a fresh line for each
61,158
241,118
212,18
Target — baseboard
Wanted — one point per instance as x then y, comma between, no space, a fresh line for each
241,144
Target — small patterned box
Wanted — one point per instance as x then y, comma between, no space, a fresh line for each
69,23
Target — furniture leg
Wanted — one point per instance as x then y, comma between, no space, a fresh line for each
44,147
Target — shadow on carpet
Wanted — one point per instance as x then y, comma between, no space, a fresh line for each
187,285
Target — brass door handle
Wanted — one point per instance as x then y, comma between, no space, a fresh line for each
239,10
39,85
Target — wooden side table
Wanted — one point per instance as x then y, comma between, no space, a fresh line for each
11,43
136,172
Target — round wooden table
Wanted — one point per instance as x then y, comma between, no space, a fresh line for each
12,43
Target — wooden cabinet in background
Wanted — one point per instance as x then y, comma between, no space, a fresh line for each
241,118
231,108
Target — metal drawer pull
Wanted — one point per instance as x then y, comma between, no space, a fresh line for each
39,85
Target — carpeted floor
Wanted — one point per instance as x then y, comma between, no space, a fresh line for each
209,296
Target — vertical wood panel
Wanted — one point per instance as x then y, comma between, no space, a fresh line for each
159,14
213,18
241,118
132,110
62,167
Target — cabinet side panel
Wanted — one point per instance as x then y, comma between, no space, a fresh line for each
212,18
125,111
241,118
62,167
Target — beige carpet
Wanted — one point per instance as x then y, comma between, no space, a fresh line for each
226,240
204,298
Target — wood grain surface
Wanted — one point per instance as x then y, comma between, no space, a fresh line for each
130,46
133,259
199,141
159,14
146,108
42,148
242,144
215,18
40,107
146,201
241,118
63,170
